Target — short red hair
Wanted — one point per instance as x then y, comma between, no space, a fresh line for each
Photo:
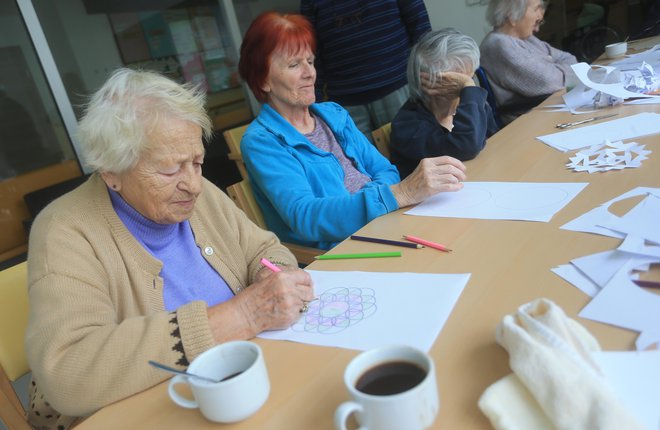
270,32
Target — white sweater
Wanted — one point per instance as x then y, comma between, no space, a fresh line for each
520,69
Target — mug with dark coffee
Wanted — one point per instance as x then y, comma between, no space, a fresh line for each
392,388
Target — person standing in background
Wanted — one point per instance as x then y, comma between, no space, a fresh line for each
362,54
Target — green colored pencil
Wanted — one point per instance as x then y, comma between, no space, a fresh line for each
359,255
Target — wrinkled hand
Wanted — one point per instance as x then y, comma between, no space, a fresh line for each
275,302
447,84
432,176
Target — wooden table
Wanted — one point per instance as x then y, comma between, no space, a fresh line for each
510,262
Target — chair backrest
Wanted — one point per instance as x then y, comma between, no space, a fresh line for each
381,137
233,138
482,77
241,193
14,310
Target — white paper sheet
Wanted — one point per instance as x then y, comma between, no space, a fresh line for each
622,303
363,310
614,89
629,127
527,201
602,266
573,276
590,222
637,245
635,378
641,221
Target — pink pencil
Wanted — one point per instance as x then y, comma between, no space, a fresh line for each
270,265
427,243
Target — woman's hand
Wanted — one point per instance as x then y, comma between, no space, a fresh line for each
270,303
447,84
432,176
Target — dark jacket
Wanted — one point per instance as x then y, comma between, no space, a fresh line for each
416,133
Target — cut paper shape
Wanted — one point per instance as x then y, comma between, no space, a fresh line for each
629,127
602,266
608,156
337,309
622,303
636,245
590,222
364,310
575,277
640,221
615,89
526,201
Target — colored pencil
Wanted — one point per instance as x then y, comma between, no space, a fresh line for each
427,243
647,284
360,255
387,241
270,265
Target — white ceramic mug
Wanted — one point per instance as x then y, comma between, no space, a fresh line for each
235,397
413,409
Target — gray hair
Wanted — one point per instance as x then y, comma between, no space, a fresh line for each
446,50
499,11
114,129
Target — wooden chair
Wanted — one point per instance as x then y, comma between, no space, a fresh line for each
381,137
233,138
13,361
241,193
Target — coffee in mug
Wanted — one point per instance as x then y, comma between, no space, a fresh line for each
392,388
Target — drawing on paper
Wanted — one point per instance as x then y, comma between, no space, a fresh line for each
541,197
474,195
337,309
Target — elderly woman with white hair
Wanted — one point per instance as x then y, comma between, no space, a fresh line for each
522,70
146,259
446,113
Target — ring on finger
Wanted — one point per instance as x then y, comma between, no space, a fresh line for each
305,308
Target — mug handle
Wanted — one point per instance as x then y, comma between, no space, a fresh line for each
176,397
344,411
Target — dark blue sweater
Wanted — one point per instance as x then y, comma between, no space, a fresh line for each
363,46
416,133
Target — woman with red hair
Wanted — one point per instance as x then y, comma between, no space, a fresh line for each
316,177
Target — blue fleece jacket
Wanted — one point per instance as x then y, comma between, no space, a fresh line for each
300,188
417,134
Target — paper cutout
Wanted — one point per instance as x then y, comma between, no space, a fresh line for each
617,299
622,303
364,310
501,200
608,156
590,221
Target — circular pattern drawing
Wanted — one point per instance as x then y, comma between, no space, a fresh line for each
337,309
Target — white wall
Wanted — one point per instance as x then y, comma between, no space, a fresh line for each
467,16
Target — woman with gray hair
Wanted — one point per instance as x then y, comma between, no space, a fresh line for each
146,259
446,113
522,70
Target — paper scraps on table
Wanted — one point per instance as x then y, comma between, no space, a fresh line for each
608,156
610,277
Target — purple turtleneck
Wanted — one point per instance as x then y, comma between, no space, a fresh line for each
187,276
